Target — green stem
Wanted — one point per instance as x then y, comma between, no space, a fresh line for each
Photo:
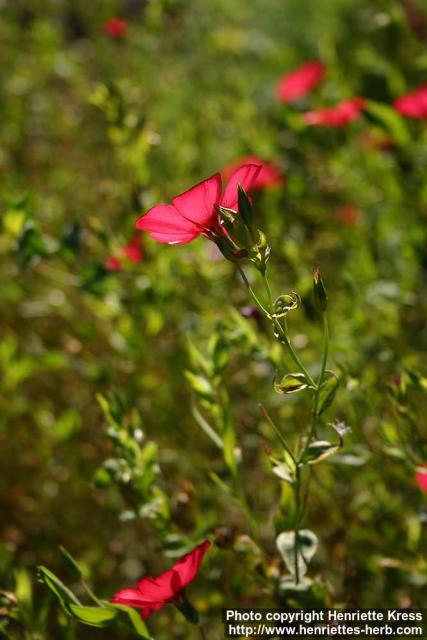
281,331
277,432
282,334
299,511
268,290
89,592
319,384
297,523
227,426
285,340
252,292
242,500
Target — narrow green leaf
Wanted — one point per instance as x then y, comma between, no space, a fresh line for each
229,442
390,120
135,619
72,565
200,385
93,616
63,593
218,349
106,409
23,589
207,428
327,393
198,359
219,483
245,206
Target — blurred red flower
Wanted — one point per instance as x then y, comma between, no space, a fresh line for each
152,594
132,250
339,116
113,264
116,28
414,104
349,214
297,84
421,476
269,176
194,212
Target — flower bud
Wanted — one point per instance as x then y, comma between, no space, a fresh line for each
320,295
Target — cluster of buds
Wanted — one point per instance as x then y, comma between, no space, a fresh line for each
237,239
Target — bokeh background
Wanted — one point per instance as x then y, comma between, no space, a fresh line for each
94,130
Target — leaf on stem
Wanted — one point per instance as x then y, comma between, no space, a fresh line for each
327,392
72,564
318,451
62,592
291,383
285,303
92,616
245,206
306,548
283,471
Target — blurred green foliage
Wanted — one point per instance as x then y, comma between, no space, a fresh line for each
93,131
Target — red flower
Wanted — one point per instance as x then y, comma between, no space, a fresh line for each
152,594
300,82
349,214
421,476
194,212
339,116
413,105
132,250
113,264
269,175
116,28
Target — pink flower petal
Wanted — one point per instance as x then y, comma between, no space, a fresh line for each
147,611
116,28
300,82
174,238
414,104
188,566
422,478
132,250
339,116
153,593
166,224
113,264
129,597
164,218
349,214
246,175
269,176
197,205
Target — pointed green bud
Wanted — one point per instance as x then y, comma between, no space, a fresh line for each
245,206
261,252
320,295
